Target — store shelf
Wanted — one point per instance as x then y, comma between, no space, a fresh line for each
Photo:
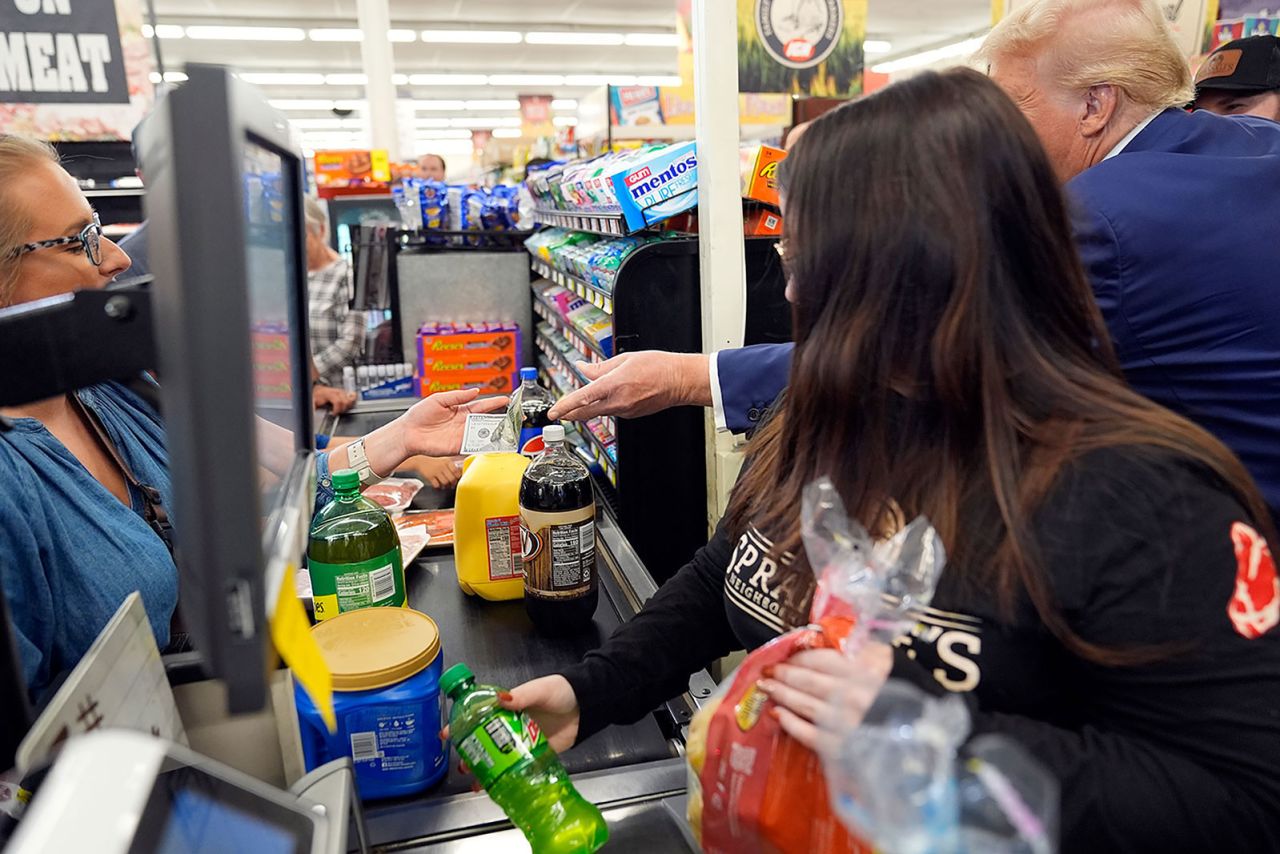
113,192
564,362
550,313
589,292
612,225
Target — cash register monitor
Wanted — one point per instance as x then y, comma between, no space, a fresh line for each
228,254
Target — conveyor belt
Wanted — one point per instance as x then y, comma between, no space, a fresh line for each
500,645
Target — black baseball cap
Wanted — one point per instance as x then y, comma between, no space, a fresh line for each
1244,65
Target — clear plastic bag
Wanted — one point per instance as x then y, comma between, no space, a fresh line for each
751,786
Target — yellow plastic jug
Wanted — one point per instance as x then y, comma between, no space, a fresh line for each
486,527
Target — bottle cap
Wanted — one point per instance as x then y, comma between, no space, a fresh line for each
345,480
553,433
529,374
455,676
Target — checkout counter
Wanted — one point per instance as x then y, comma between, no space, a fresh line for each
635,774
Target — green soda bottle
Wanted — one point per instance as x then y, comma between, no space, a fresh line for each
508,755
354,553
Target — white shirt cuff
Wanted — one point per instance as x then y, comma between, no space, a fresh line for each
717,402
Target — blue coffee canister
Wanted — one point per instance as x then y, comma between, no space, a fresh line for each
386,667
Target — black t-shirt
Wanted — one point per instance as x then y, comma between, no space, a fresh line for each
1140,548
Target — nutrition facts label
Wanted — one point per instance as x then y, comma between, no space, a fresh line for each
503,533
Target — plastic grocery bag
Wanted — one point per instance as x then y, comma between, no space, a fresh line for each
899,780
752,788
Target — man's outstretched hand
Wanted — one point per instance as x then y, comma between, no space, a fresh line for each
636,384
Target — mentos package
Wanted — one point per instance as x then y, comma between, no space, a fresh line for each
657,186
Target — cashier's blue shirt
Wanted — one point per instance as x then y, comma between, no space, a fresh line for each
70,551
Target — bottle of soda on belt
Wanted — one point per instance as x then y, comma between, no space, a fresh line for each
509,756
353,554
558,534
530,407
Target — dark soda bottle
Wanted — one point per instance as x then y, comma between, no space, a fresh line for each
512,760
530,406
558,533
353,554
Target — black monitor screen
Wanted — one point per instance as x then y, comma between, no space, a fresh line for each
272,262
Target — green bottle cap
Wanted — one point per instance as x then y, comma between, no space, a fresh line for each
346,480
455,676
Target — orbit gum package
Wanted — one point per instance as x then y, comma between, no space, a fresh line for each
658,185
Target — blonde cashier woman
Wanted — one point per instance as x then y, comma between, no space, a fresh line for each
74,535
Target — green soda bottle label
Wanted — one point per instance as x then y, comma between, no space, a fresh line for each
338,588
504,740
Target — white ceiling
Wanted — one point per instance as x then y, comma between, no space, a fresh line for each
907,24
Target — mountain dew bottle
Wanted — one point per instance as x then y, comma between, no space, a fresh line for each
510,758
353,554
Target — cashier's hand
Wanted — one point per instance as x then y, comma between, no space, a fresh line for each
338,400
819,685
636,384
433,427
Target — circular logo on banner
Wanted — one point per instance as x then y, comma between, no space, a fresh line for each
799,33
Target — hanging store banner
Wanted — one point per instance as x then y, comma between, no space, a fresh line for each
535,116
73,69
801,47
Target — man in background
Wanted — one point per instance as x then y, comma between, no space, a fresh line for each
337,332
431,167
1242,78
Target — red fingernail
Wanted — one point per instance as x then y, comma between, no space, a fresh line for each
769,671
505,696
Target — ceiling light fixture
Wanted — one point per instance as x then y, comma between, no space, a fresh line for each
575,38
564,104
336,35
260,34
434,106
326,124
652,40
877,46
929,57
345,79
479,123
402,36
471,36
169,77
301,103
526,79
447,79
507,133
497,104
164,31
282,78
600,80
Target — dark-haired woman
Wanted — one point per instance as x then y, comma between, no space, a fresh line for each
1109,602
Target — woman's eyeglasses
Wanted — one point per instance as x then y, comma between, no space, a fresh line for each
89,238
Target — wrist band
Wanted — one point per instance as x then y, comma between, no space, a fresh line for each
357,460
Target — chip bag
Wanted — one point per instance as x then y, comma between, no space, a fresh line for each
752,788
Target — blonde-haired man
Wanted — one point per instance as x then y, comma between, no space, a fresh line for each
1174,212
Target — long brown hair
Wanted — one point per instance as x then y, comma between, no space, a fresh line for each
950,359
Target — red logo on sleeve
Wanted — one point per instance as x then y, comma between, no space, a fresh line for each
1255,607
